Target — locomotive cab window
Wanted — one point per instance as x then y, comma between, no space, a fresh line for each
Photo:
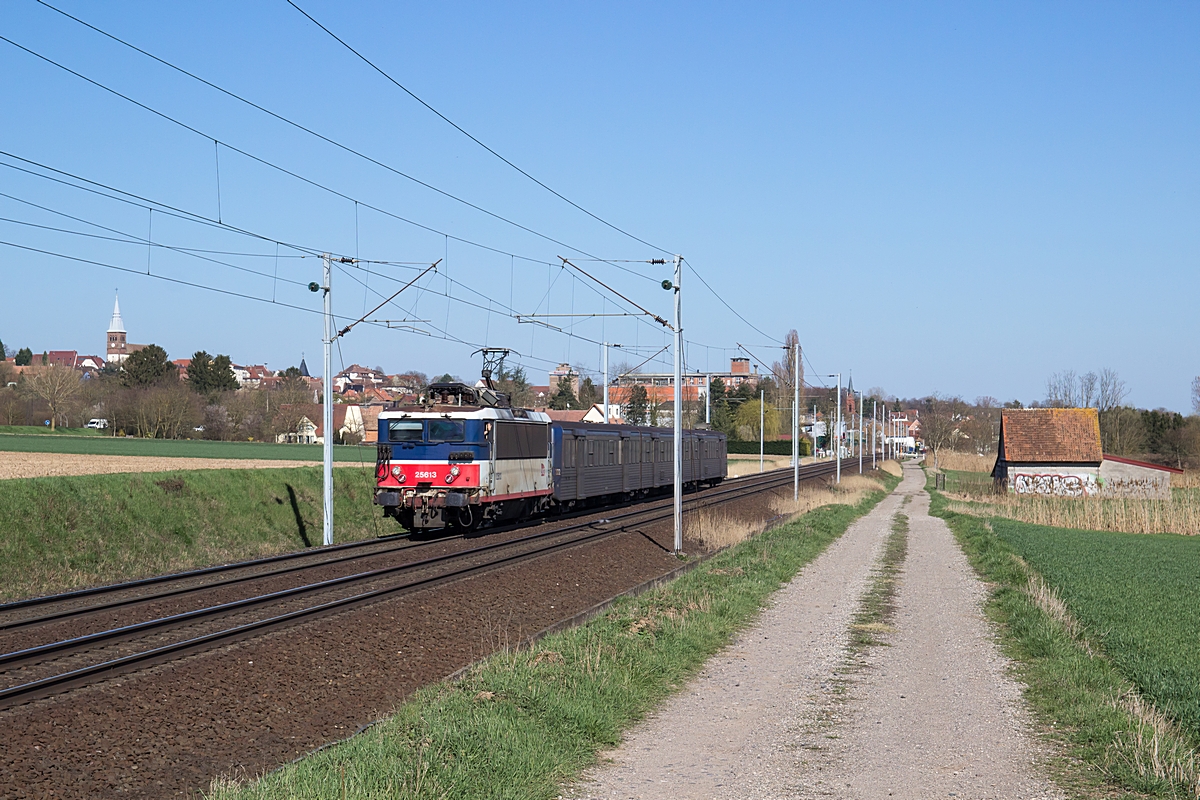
405,430
447,430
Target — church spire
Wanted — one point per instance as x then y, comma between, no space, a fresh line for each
116,326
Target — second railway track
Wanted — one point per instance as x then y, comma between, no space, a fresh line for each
46,667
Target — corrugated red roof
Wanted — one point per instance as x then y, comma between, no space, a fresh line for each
1051,435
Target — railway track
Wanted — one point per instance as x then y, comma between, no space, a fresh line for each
57,664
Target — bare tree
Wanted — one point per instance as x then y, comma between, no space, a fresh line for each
1088,390
788,375
1062,390
1112,390
940,419
56,386
1196,395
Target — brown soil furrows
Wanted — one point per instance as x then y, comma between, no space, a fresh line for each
168,730
40,465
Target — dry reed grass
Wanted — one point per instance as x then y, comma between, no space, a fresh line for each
716,528
1180,514
1190,479
892,467
963,462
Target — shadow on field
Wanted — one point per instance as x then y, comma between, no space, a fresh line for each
301,528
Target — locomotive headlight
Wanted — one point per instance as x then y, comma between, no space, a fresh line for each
453,474
396,471
399,475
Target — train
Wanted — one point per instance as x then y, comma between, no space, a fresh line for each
463,456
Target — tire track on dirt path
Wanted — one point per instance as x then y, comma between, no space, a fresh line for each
733,731
935,713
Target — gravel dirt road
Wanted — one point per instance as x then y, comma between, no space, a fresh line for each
932,715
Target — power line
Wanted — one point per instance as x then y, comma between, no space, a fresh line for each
272,165
169,279
140,242
731,308
458,128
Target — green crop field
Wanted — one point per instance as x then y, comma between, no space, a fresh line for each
179,448
68,532
1136,595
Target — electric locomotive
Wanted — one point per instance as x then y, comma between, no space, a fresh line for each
462,456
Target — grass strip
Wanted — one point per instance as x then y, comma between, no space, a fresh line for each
872,621
64,533
1113,740
178,448
523,722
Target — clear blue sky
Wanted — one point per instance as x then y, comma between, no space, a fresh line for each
1005,190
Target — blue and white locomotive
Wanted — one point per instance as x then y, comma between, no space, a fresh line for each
463,456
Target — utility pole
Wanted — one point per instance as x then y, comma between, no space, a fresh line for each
814,432
678,410
606,346
327,475
762,434
838,429
861,426
796,424
874,431
707,399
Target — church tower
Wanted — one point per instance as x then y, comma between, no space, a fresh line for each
117,349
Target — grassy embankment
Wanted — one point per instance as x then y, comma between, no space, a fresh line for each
1103,628
68,532
524,722
179,448
41,430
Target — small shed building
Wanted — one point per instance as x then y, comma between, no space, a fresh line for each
1049,451
1057,452
1124,477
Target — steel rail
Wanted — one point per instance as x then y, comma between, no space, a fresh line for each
314,554
16,658
52,684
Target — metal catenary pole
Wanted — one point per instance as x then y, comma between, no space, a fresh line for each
861,428
678,409
837,431
796,423
814,431
707,398
762,416
605,345
327,396
874,431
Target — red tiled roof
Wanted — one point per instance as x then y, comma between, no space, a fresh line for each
567,416
1050,435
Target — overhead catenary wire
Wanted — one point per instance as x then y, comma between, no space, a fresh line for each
458,128
149,242
291,173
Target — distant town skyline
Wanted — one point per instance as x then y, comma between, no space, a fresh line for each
940,197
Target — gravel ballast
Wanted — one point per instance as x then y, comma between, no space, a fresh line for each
782,714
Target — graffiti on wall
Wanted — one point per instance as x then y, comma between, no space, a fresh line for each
1054,485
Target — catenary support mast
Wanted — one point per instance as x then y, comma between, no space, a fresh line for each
327,399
